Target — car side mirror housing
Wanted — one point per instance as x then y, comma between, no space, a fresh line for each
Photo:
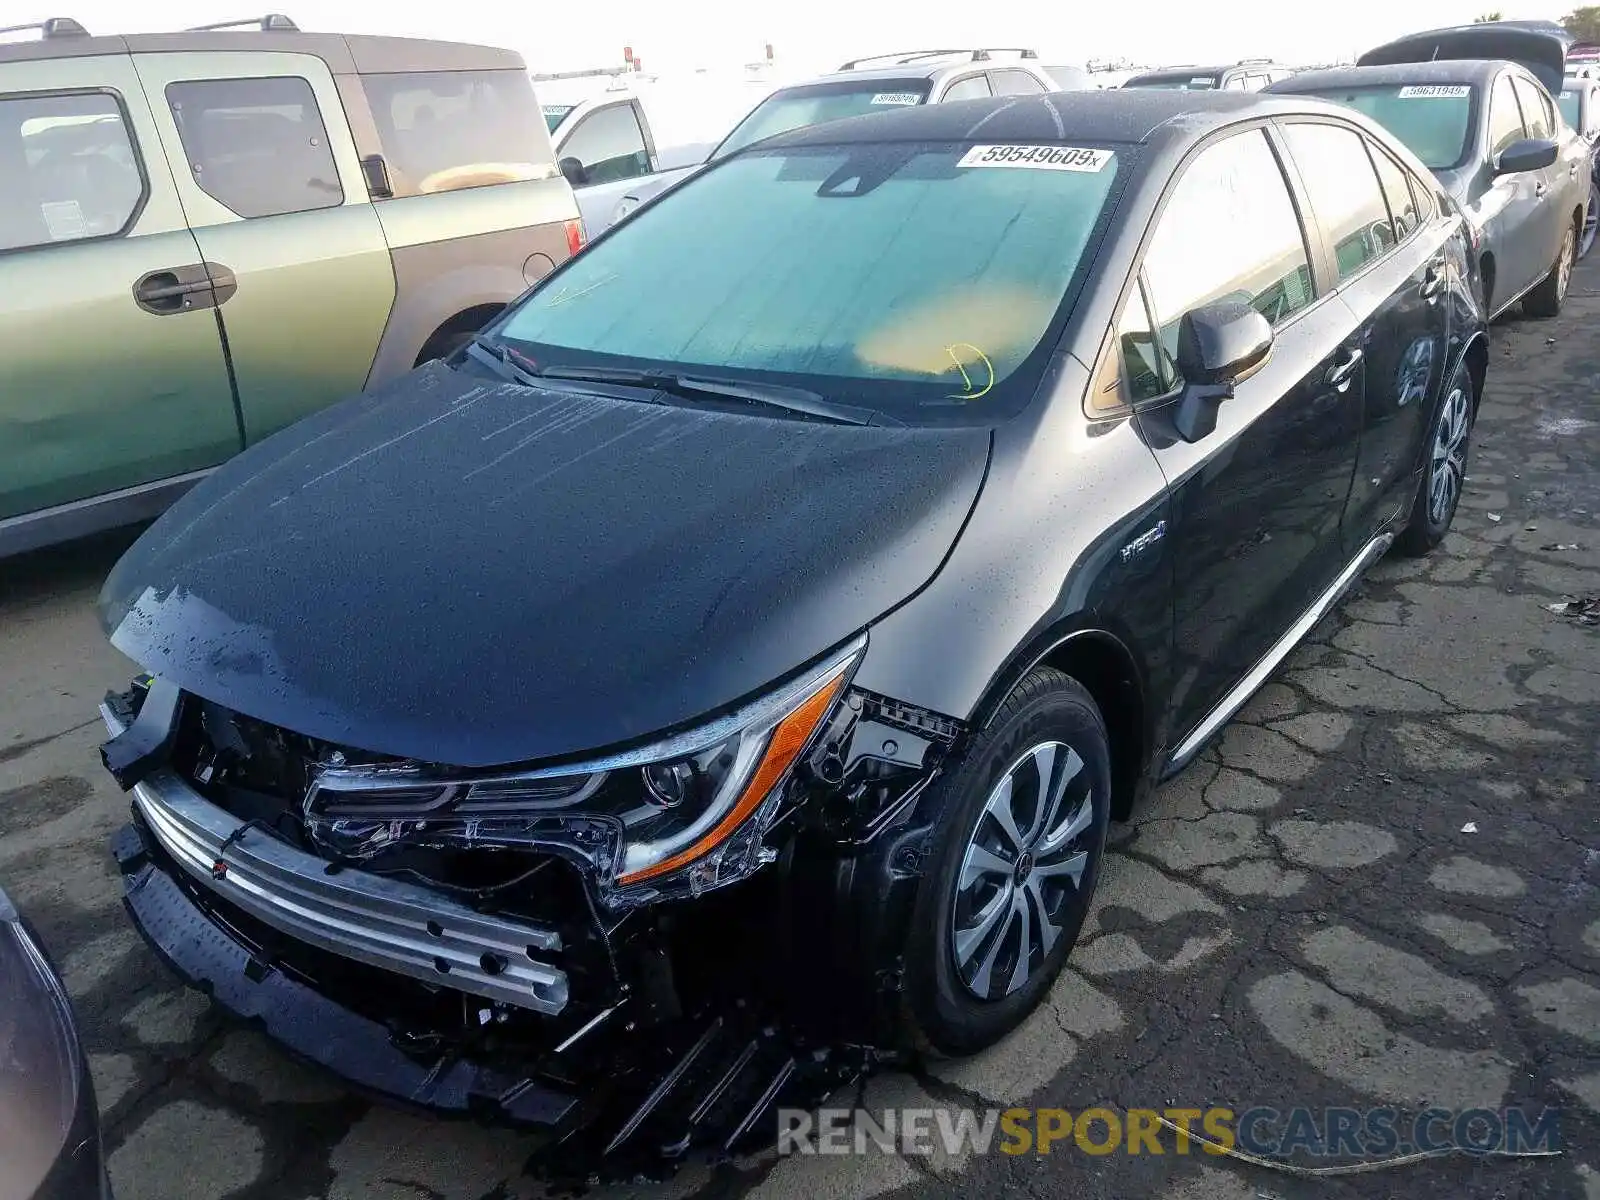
1529,154
1219,345
577,174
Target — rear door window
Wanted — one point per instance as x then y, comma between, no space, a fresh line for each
1505,118
1537,118
69,168
610,145
971,88
1229,231
1397,192
1015,83
446,130
256,145
1344,192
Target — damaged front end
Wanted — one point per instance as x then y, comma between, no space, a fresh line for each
662,942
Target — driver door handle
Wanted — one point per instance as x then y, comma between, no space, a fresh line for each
184,289
1541,189
1340,374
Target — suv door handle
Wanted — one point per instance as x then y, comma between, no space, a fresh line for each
184,289
1340,374
1541,189
1433,280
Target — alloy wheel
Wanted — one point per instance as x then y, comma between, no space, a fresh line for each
1022,871
1591,219
1564,266
1449,456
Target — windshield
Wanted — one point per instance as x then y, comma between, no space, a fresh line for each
812,104
925,281
1432,120
1181,82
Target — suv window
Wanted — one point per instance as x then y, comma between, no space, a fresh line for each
1397,192
69,167
1344,192
1015,83
446,130
1505,119
970,88
609,144
1536,115
257,146
1229,229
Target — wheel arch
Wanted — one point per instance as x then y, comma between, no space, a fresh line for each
1104,662
468,320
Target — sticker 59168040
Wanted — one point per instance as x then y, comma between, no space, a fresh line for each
1037,158
906,98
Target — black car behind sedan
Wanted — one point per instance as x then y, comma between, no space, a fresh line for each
792,585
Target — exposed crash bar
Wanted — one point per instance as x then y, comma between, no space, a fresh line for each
381,922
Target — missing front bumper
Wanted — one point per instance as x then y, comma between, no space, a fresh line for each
308,1023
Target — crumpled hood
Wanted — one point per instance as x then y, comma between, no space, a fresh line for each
1542,53
477,573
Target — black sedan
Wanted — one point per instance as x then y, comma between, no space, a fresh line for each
793,585
49,1124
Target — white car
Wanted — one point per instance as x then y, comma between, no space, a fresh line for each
866,85
610,141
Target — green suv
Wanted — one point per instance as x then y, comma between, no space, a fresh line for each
206,235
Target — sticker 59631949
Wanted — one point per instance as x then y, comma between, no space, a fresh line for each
1037,158
1428,91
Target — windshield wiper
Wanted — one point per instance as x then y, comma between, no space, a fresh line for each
788,399
498,358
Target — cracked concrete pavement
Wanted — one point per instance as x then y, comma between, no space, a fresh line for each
1298,919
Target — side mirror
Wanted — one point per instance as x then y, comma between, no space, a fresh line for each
1219,344
1530,154
376,172
577,174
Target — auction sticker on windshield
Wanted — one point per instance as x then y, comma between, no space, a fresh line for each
1037,158
897,98
1428,91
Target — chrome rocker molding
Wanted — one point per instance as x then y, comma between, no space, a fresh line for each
381,922
1248,686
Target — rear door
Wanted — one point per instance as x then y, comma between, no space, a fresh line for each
1391,270
272,188
114,374
1255,505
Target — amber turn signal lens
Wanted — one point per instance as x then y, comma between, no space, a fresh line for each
788,739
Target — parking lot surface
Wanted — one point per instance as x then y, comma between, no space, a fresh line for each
1380,887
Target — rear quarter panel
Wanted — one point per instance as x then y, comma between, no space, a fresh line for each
454,251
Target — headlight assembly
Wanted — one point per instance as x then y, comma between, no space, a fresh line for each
677,817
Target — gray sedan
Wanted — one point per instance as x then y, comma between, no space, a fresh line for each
1490,133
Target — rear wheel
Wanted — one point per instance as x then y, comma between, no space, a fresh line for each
1545,300
1019,845
1440,490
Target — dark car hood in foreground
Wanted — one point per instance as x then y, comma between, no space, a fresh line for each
478,573
1542,53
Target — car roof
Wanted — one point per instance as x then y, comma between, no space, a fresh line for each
1110,115
1476,71
345,54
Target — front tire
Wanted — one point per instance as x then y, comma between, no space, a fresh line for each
1545,300
1019,846
1591,219
1445,468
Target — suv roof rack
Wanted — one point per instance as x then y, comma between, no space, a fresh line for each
591,73
902,57
53,27
1248,62
270,23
